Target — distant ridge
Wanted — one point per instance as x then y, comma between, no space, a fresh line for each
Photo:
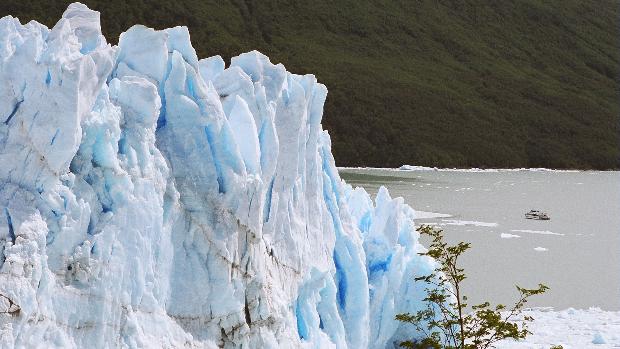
442,83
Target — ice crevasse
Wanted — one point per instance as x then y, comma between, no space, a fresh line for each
149,199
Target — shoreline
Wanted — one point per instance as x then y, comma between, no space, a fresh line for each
408,168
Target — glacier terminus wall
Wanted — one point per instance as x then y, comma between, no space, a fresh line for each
149,199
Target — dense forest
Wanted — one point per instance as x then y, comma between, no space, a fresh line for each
451,83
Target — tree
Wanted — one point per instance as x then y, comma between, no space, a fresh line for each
444,322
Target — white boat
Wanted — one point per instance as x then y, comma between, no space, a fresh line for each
535,214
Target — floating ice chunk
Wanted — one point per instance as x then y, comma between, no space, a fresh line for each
598,339
509,236
430,215
540,249
475,169
416,168
474,223
540,232
574,328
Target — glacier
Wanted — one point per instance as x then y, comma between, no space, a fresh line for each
151,199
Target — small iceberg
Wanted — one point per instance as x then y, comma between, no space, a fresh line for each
598,339
540,232
430,215
474,223
509,236
417,168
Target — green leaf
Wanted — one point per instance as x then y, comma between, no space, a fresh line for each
445,321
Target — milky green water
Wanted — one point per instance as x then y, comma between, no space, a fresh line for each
576,253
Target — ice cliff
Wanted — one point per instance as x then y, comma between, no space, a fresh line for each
151,199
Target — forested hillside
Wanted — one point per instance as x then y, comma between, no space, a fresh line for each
527,83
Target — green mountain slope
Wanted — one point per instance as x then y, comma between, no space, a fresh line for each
526,83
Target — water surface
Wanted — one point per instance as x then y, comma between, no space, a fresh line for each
576,253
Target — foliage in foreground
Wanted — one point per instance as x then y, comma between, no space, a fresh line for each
444,322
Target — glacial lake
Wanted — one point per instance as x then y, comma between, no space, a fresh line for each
576,253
